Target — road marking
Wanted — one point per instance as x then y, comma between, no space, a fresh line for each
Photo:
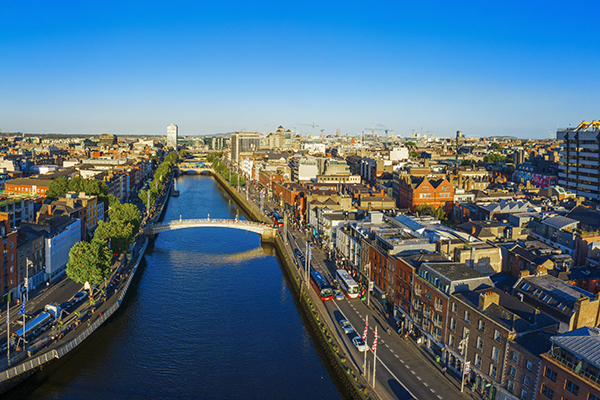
426,384
419,378
413,372
401,360
432,390
439,397
406,365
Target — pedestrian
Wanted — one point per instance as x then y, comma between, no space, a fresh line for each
444,370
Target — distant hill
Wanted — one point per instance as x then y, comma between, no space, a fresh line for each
503,138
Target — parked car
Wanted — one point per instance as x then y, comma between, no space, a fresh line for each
359,344
339,295
346,326
80,296
298,253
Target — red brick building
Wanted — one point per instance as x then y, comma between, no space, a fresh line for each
411,192
8,263
28,186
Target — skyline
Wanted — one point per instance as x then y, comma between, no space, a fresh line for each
485,69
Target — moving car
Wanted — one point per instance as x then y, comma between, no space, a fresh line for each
298,253
346,326
79,296
339,295
359,344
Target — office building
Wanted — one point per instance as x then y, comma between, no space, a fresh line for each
242,142
172,136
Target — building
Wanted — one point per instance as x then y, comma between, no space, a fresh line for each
571,369
30,251
304,168
415,191
579,159
27,186
8,263
172,136
242,142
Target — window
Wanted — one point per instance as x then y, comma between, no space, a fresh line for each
465,333
428,295
481,325
497,336
523,394
513,372
529,365
493,371
452,324
495,353
593,397
511,386
550,374
467,316
515,356
12,257
571,387
526,380
454,308
478,360
12,269
451,341
546,391
12,244
479,343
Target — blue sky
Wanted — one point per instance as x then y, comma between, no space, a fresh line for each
484,67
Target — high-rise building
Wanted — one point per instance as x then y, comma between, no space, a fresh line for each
172,136
243,141
580,158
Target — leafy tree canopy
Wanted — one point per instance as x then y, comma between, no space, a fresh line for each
494,158
57,187
89,262
127,214
116,235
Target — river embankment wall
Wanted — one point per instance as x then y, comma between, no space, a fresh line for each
353,383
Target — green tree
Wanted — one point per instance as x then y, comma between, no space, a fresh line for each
127,214
413,144
184,153
77,184
494,158
426,209
89,262
118,233
496,147
95,187
113,201
57,187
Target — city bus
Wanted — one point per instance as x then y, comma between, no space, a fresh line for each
347,284
321,285
34,327
277,219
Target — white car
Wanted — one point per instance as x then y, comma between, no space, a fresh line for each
346,326
359,344
339,295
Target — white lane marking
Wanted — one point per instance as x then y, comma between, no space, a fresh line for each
402,361
419,378
432,390
426,384
413,372
389,370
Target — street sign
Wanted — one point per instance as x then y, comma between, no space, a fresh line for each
467,368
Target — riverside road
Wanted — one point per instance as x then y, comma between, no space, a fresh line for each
404,369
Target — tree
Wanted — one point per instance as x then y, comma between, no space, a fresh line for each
77,184
113,201
95,187
494,158
127,214
89,262
496,147
409,144
57,187
118,234
426,209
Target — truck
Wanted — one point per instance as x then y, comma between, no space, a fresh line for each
55,311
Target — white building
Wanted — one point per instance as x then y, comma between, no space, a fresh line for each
304,169
58,245
172,136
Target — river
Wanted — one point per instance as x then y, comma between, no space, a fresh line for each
210,316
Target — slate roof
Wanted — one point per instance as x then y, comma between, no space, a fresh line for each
559,222
583,342
586,216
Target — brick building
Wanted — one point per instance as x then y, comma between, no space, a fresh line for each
411,192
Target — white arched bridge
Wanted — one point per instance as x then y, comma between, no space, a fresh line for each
265,231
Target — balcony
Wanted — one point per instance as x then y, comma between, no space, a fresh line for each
574,368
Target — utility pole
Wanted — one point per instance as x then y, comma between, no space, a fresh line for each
369,284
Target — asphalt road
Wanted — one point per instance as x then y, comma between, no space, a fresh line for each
404,370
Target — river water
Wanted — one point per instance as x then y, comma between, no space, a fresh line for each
210,316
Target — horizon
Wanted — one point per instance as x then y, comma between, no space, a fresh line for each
434,68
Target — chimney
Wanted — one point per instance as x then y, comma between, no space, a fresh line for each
487,298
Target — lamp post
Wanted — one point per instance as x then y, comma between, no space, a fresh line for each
463,345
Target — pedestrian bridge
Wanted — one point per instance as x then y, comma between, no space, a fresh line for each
266,232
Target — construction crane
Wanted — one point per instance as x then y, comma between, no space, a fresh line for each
384,129
313,126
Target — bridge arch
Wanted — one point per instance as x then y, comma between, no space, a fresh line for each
266,232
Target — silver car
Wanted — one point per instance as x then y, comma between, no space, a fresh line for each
346,326
339,295
360,344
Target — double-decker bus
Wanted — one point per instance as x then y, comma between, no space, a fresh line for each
347,284
277,219
321,285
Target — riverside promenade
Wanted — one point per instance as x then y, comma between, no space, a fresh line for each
88,317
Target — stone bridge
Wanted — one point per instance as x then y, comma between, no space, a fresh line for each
266,232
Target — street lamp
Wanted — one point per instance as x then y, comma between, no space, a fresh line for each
462,346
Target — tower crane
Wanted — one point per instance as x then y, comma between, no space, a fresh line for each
383,128
313,125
